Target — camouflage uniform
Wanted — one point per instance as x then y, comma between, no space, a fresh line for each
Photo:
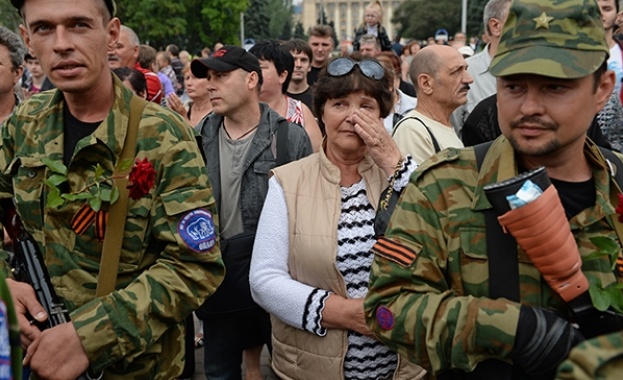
438,292
598,358
429,292
136,331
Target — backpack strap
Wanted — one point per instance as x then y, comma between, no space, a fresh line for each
435,143
282,144
113,238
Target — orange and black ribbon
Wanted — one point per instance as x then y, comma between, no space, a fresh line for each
85,217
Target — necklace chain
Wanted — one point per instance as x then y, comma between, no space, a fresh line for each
241,136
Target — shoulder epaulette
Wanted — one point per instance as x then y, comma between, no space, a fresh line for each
446,155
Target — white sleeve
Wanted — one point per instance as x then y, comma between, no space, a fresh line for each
272,286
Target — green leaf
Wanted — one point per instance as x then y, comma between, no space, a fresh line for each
594,256
84,195
99,171
124,165
54,198
616,298
600,298
55,166
79,196
115,195
605,244
56,179
105,194
95,203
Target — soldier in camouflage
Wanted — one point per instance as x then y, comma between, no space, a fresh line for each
429,295
167,268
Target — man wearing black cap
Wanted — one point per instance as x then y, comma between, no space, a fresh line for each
243,140
68,144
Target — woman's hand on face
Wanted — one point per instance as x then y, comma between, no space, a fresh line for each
381,147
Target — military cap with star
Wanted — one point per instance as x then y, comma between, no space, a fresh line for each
554,38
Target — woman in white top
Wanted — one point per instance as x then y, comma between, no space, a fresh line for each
311,258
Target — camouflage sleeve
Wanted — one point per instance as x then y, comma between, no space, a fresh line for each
178,278
418,306
6,188
597,358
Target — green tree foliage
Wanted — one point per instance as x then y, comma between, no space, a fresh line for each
190,24
475,9
9,17
299,31
421,18
280,14
257,20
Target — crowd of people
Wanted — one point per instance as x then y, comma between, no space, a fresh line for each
337,207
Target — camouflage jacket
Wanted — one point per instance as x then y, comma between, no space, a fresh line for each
597,358
136,331
432,305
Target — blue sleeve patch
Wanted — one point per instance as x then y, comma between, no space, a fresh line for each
197,230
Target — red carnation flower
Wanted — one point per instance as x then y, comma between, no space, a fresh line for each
619,209
142,178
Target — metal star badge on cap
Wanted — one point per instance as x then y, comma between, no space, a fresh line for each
552,38
542,21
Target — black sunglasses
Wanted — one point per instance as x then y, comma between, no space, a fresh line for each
342,66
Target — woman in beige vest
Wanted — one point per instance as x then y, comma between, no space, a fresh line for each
311,259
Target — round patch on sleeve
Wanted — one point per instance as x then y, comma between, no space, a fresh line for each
385,318
197,230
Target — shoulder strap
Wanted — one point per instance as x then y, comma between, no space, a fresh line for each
111,249
480,151
503,273
616,161
501,247
618,180
435,143
282,144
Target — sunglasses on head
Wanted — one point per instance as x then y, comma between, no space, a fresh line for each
342,66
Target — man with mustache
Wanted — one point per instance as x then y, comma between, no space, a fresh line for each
441,80
458,294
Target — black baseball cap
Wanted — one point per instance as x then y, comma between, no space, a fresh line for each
227,58
110,4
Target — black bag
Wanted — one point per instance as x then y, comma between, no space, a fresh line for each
234,294
387,202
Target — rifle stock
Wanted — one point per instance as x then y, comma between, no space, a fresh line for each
29,267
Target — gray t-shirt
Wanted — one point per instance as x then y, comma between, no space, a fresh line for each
233,154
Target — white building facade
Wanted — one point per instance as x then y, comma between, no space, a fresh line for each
347,15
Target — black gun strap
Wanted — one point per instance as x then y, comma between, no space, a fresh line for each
501,248
503,274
